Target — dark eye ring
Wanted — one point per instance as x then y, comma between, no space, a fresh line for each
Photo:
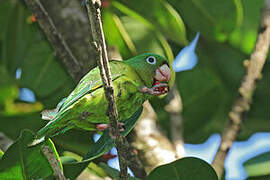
151,60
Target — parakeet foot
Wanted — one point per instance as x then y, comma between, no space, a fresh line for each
121,129
102,127
157,89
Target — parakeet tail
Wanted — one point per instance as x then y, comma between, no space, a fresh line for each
47,132
49,114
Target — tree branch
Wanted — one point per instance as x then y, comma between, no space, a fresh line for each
94,14
62,50
134,162
153,147
174,107
58,174
254,68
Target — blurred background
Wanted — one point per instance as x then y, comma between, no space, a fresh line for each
32,78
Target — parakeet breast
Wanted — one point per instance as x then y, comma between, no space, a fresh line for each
93,106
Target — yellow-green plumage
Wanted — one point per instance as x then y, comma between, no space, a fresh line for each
86,105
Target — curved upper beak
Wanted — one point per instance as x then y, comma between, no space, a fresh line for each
163,73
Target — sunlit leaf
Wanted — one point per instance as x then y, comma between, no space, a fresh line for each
244,36
215,19
116,34
23,162
258,165
1,154
158,15
137,23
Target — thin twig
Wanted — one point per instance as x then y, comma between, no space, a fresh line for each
62,50
94,14
58,174
254,68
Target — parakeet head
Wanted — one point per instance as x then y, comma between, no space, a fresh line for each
152,69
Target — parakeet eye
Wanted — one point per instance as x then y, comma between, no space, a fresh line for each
151,60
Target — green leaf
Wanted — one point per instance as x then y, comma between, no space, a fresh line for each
267,177
1,154
23,162
29,121
112,172
208,90
158,15
188,168
149,38
103,145
215,19
116,34
258,165
15,38
25,47
4,9
8,88
145,39
244,36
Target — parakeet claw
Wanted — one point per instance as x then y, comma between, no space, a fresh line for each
121,129
158,89
102,127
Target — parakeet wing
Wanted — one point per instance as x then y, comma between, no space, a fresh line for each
88,83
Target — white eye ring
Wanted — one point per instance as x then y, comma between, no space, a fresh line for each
151,60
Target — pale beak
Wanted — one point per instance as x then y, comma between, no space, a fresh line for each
163,73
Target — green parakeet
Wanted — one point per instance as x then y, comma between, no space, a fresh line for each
134,81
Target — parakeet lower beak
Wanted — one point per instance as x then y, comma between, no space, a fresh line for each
163,73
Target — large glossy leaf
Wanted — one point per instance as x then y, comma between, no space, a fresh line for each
258,165
158,15
215,19
209,89
189,168
103,145
23,162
